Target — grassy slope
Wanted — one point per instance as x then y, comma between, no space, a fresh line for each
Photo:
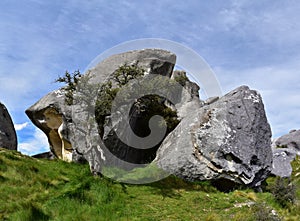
34,189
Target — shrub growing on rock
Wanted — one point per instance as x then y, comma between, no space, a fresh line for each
71,80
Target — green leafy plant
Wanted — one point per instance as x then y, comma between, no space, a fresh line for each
148,105
126,72
181,79
71,80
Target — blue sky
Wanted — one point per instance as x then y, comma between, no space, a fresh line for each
256,43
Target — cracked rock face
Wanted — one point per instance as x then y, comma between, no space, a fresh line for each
229,138
8,137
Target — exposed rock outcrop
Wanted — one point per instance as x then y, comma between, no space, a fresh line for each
49,114
8,137
54,117
290,141
220,138
230,139
285,149
282,158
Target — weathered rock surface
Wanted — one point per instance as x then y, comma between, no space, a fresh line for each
221,138
230,138
189,99
290,140
8,137
285,149
48,114
54,117
282,158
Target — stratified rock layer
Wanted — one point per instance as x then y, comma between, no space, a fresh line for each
8,137
229,138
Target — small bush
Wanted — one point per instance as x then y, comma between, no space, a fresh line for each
264,213
284,192
71,81
147,106
181,79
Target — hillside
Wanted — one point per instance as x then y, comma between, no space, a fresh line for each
35,189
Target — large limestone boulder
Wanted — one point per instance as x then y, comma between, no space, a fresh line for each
282,158
290,140
285,149
229,138
49,114
56,119
220,138
8,137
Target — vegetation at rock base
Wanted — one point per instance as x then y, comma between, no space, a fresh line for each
284,191
39,189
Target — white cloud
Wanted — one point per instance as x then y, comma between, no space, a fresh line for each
20,126
38,143
42,39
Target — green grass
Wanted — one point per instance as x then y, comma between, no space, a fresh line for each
36,189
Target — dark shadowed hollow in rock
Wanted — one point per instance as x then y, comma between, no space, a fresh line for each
140,114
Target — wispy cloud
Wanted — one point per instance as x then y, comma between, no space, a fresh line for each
246,42
38,143
19,127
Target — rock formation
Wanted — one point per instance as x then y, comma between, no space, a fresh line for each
282,158
48,114
290,141
229,138
54,117
285,149
8,137
220,138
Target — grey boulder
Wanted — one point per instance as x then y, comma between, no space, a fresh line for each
65,125
285,149
290,140
282,158
220,138
227,139
8,137
51,115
